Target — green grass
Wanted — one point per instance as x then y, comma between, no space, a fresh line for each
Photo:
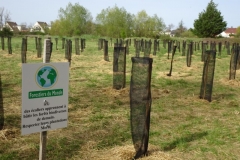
182,125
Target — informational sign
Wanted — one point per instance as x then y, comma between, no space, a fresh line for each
44,96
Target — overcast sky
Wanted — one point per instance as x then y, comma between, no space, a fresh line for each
171,11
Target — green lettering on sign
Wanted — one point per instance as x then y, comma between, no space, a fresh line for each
45,93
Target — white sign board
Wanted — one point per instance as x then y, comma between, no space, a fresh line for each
44,96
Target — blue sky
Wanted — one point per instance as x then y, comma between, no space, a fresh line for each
171,11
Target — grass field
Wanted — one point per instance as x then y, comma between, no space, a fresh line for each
182,125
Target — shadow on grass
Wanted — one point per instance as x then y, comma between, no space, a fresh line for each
1,106
185,139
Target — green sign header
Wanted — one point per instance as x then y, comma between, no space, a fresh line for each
45,93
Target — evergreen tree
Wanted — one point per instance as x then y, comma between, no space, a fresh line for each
210,22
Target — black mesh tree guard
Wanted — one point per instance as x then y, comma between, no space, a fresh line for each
116,45
36,42
119,67
213,46
228,48
142,45
234,63
184,48
140,103
2,43
233,48
219,48
69,51
77,48
147,49
189,55
105,50
150,46
173,43
1,106
204,48
154,47
127,46
26,43
225,43
208,75
120,42
99,44
238,58
137,48
192,48
9,45
195,46
63,43
179,46
82,44
56,41
39,49
66,49
116,42
48,50
110,41
24,51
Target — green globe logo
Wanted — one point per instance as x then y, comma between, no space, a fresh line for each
46,76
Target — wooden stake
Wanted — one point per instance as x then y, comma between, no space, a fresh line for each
43,135
43,144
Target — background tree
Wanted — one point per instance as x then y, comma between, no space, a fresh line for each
238,32
4,16
210,22
147,26
114,22
72,20
170,27
188,33
5,32
140,23
56,28
181,29
7,16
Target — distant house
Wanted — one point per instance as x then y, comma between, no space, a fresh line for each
23,28
167,32
12,26
173,33
228,32
39,27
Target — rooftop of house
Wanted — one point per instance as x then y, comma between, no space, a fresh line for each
231,30
42,24
13,25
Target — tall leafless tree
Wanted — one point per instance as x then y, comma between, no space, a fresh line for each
4,16
170,27
7,16
1,16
